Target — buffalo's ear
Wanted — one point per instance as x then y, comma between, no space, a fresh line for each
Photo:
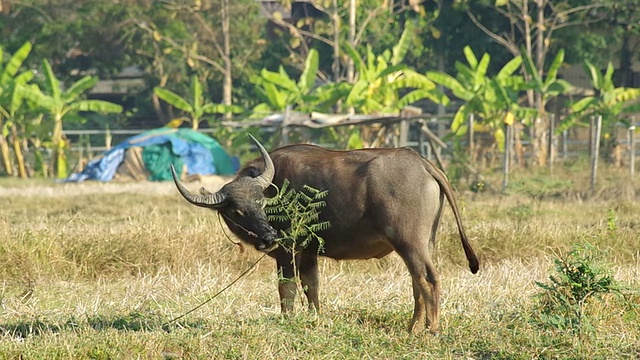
251,171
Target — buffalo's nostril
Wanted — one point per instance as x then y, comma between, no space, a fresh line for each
269,240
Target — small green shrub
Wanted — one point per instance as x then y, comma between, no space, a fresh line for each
520,213
612,220
539,188
579,276
458,169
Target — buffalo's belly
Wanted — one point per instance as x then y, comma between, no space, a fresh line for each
356,246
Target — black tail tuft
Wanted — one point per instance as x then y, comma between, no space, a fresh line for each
474,266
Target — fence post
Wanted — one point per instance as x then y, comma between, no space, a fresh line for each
421,143
552,141
565,146
595,141
507,156
404,132
471,139
107,138
632,149
284,132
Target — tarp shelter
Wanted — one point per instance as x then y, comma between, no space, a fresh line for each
147,157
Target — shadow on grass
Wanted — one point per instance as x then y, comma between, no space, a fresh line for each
35,327
132,321
379,319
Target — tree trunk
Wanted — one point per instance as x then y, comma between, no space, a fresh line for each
624,72
541,123
17,151
530,94
6,157
58,157
227,85
352,39
155,100
540,134
528,45
335,17
195,123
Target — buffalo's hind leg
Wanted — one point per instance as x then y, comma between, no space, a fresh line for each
419,309
426,291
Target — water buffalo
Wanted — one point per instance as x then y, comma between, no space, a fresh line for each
378,201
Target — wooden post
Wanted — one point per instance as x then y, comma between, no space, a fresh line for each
632,150
107,138
507,156
552,143
565,146
437,151
443,126
421,143
404,132
284,131
595,141
471,140
592,128
436,145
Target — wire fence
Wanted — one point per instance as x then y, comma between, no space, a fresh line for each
569,144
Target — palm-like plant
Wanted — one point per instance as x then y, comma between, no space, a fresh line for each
609,101
10,102
278,90
58,103
544,88
197,106
492,99
381,77
548,86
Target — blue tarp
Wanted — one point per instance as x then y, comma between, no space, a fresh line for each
200,153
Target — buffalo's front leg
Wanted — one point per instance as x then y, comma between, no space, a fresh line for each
308,269
286,284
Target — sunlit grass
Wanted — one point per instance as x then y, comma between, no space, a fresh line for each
97,270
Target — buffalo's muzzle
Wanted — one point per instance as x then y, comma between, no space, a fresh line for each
268,239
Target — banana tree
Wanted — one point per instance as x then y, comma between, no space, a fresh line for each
278,90
383,84
57,103
380,79
493,100
609,101
545,89
197,106
10,102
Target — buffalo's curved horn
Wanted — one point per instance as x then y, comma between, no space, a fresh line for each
208,200
266,177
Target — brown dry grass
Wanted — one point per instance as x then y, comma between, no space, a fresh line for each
95,270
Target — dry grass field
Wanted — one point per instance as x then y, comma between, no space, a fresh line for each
95,271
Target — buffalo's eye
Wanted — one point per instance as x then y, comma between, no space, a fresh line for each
239,212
